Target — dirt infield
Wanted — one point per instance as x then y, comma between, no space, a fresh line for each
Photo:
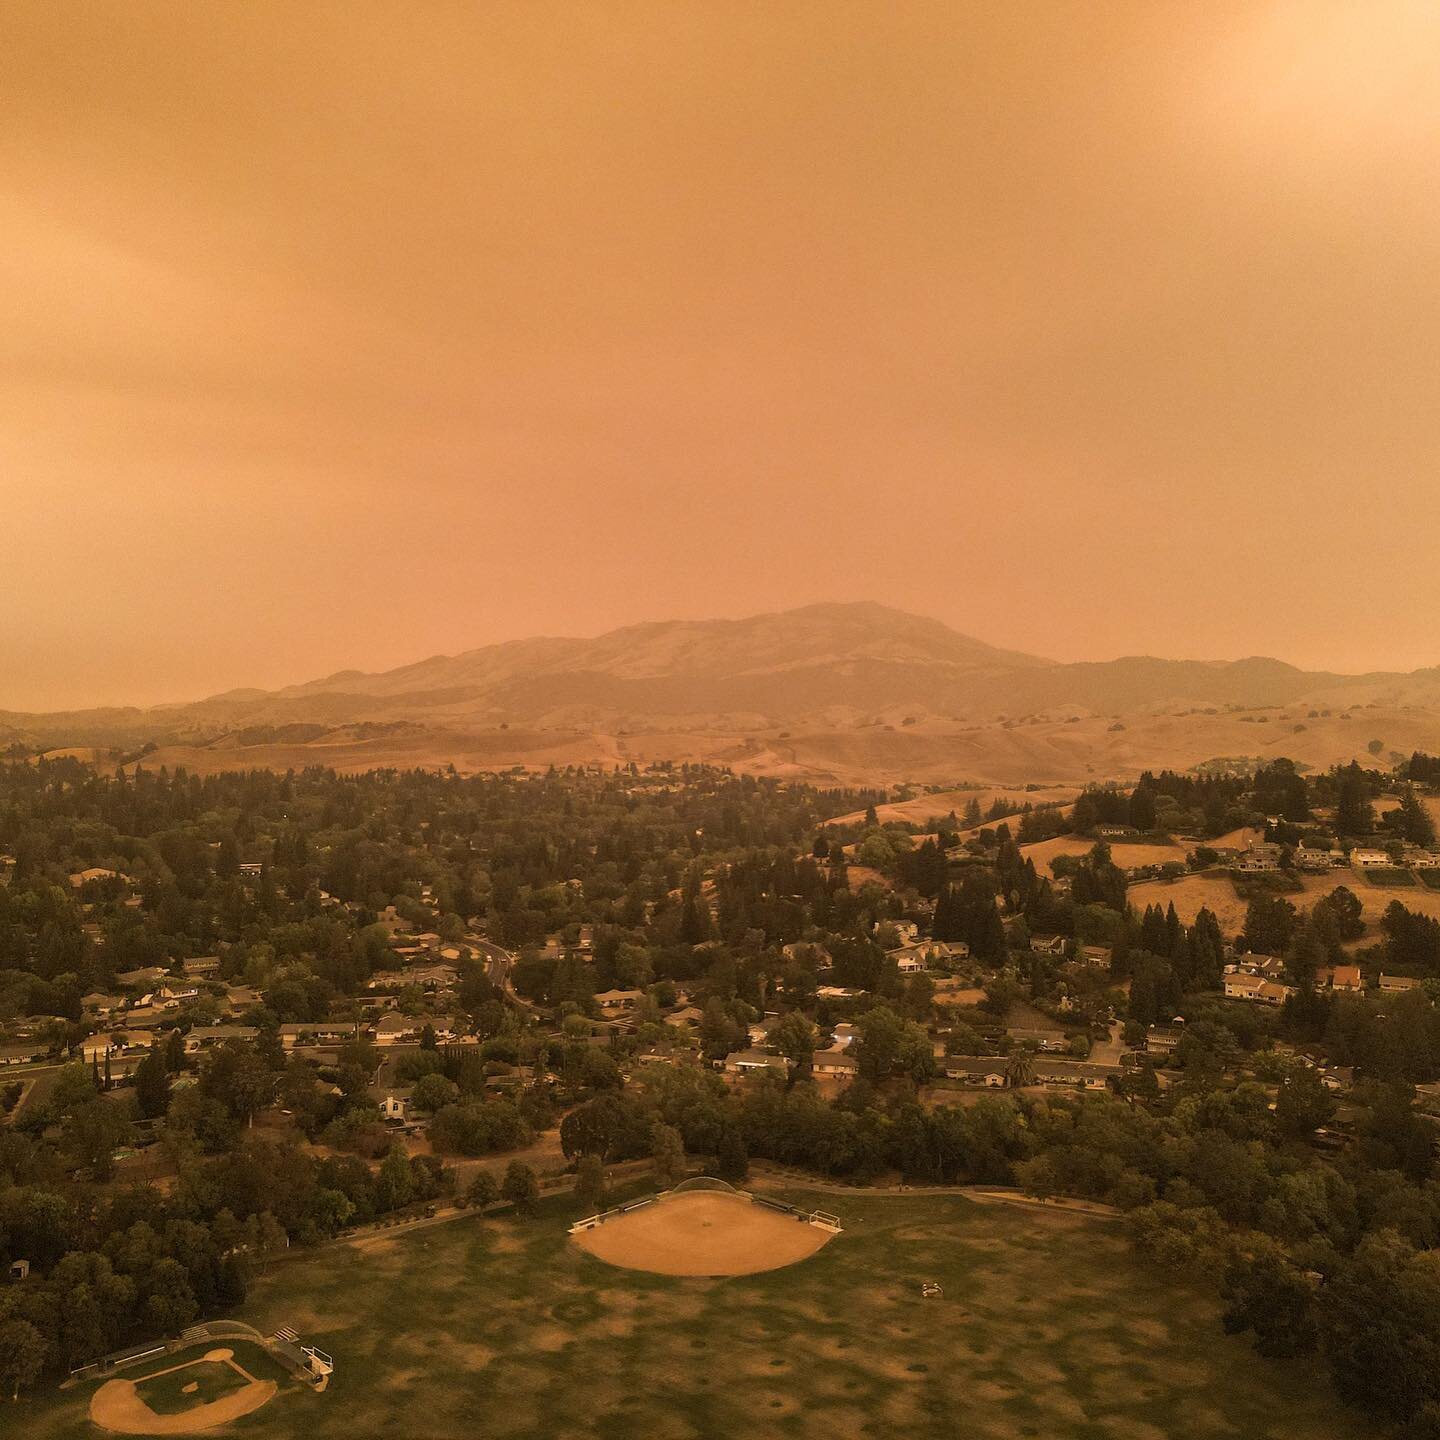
117,1405
703,1233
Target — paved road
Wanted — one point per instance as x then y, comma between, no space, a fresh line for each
1109,1051
499,962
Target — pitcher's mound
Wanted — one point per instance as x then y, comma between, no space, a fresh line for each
703,1232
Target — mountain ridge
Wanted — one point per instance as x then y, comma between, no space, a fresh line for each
837,669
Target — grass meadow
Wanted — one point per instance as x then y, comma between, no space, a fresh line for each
1049,1326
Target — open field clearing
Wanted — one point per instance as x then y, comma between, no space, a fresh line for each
1044,852
1058,755
925,808
1216,891
1047,1327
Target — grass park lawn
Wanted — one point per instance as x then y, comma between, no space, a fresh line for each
1049,1326
1387,877
166,1394
162,1387
1430,878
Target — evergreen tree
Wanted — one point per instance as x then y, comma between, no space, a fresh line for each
1354,815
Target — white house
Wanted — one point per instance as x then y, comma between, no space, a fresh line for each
1369,859
752,1062
394,1029
1254,988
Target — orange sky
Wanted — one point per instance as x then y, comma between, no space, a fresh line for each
343,334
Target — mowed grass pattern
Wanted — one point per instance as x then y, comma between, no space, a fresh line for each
1048,1327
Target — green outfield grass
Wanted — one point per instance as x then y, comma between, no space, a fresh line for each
166,1394
1048,1327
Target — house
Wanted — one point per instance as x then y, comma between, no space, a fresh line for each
20,1054
1397,984
909,959
393,921
842,1035
1261,858
837,992
761,1030
1162,1042
1082,1074
202,1037
1313,860
835,1063
750,1062
1242,985
201,965
1114,832
95,872
97,1047
1043,1040
619,999
395,1029
146,978
395,1105
317,1033
1339,977
586,943
803,950
172,995
686,1015
250,869
1253,987
1363,859
142,1017
1267,967
1048,944
983,1070
98,1004
1096,955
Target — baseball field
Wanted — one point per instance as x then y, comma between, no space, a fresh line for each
1045,1324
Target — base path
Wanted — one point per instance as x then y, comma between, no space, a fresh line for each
117,1405
703,1233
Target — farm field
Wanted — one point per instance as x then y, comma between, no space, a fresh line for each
1048,1326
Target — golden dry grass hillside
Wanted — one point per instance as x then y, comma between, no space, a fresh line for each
1055,755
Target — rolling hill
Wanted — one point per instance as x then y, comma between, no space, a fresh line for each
847,691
